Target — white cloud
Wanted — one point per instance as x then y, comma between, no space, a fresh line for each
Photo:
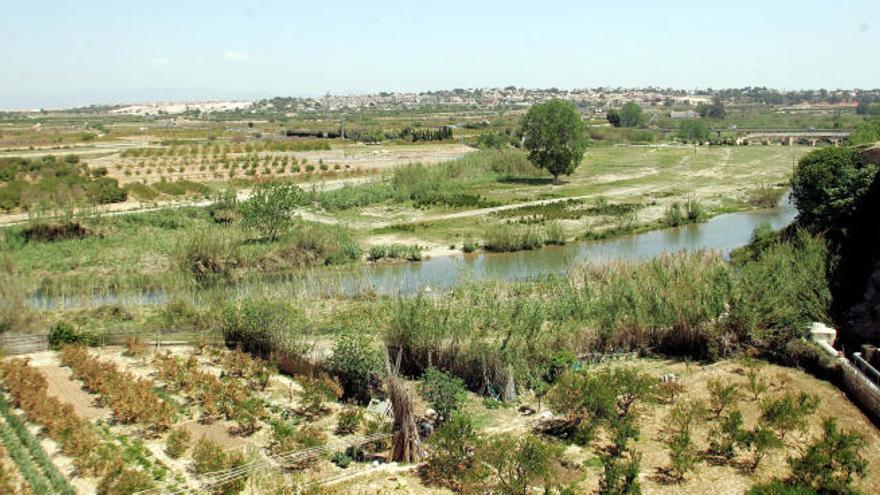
234,55
161,61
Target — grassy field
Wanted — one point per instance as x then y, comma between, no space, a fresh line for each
617,190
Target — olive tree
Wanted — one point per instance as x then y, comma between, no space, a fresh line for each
270,209
555,136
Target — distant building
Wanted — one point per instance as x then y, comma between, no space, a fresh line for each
689,114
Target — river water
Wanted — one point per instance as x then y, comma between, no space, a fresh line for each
722,233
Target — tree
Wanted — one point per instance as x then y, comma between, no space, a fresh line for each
866,132
357,364
789,412
683,454
630,115
513,464
693,130
452,447
555,136
613,117
443,392
831,463
714,111
828,185
269,211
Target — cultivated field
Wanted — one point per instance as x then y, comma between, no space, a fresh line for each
239,406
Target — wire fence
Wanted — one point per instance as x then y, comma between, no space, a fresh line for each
17,344
209,482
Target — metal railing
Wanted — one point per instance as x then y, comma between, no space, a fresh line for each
866,367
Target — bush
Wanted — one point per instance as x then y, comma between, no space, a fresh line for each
208,456
452,447
692,211
683,454
357,364
349,420
789,412
503,238
333,244
832,462
269,211
340,459
177,442
62,334
125,482
316,391
51,232
443,392
511,465
208,258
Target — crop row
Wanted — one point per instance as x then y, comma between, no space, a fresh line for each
217,398
28,454
131,399
92,454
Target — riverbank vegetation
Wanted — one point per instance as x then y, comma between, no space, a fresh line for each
693,392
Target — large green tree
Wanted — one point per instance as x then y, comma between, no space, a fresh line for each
631,115
828,185
555,136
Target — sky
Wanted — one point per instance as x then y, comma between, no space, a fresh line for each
64,53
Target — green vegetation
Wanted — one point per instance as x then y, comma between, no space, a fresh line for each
270,209
555,137
443,392
51,182
827,186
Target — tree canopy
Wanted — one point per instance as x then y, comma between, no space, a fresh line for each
693,130
631,115
828,185
713,111
555,136
269,211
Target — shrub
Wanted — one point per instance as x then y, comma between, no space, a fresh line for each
177,442
683,454
357,364
63,333
620,473
51,232
761,440
452,447
789,412
340,459
269,211
443,392
505,237
727,435
349,420
515,463
333,244
827,186
208,258
316,391
208,456
832,462
722,396
125,482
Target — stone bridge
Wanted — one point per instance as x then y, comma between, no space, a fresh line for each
811,137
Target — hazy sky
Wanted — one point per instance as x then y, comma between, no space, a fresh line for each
64,53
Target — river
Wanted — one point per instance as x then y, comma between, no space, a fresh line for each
722,233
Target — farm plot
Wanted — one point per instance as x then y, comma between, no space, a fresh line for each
199,420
